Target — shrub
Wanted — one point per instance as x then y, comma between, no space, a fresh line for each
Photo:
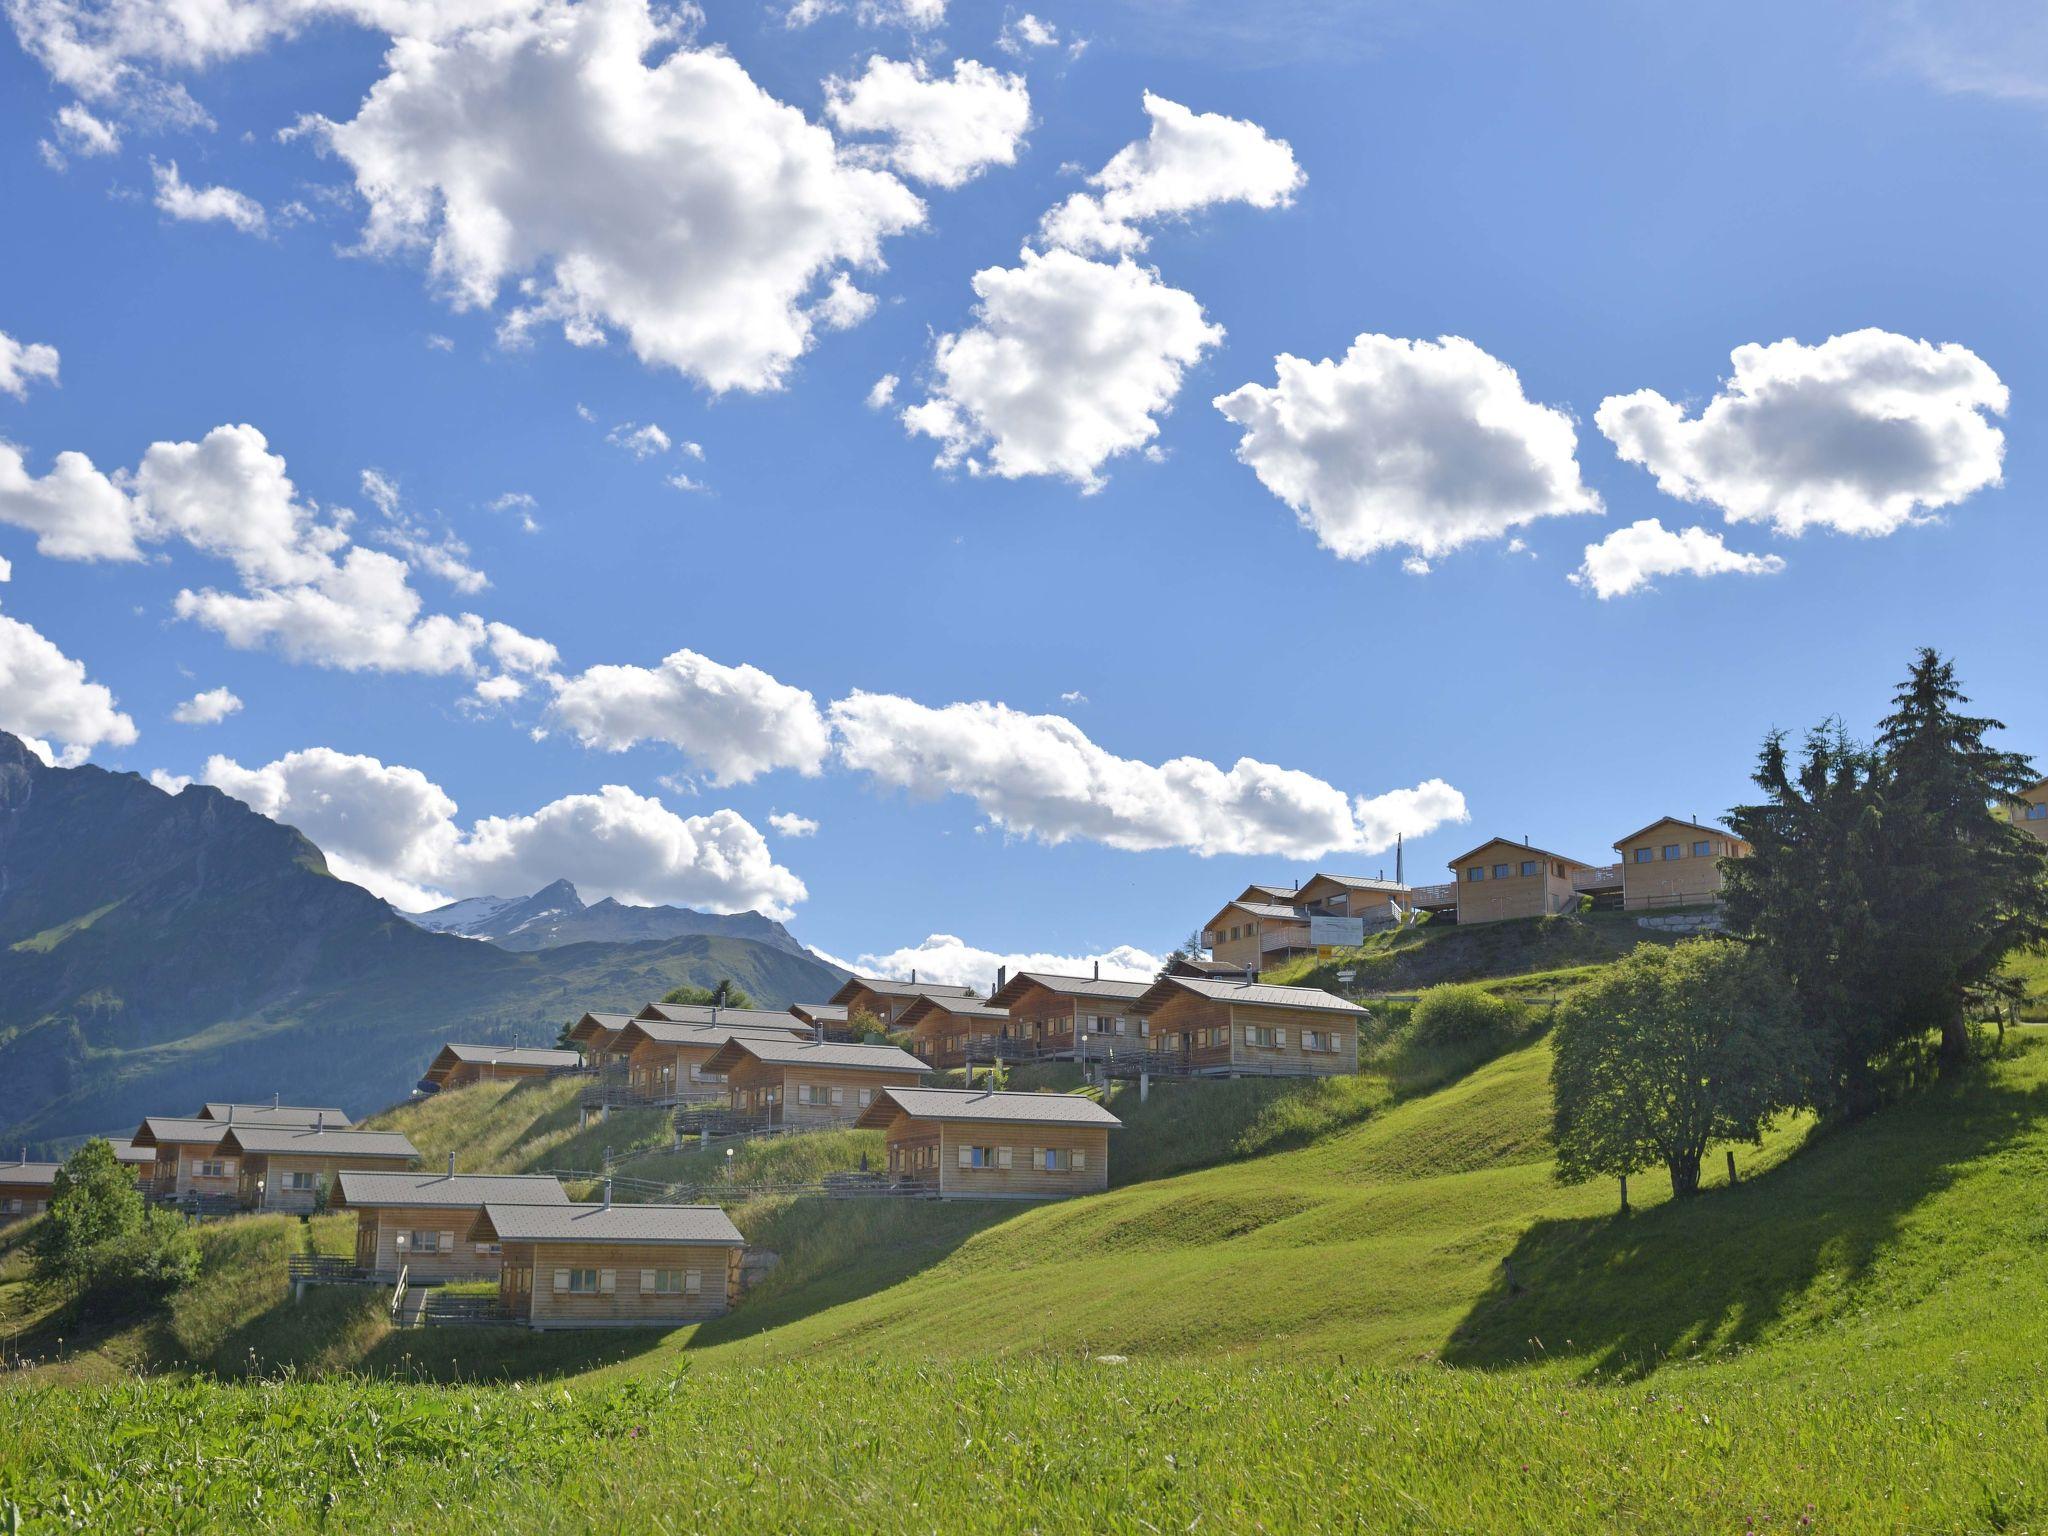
1459,1013
100,1242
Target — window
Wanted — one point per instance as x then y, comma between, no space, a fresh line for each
1476,873
1501,871
1340,902
1265,1037
1701,850
489,1250
1644,855
2037,812
867,1096
211,1168
302,1180
1672,850
1057,1160
581,1282
426,1242
977,1157
1529,866
661,1282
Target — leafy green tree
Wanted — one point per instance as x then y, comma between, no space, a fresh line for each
1672,1049
866,1029
100,1241
1457,1013
726,994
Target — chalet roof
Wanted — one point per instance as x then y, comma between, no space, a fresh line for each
305,1141
1195,965
125,1150
1679,821
38,1174
611,1023
510,1056
1069,986
820,1013
1356,882
1243,994
665,1033
1525,847
981,1106
952,1007
813,1053
179,1130
705,1013
699,1225
883,987
275,1114
1260,891
467,1191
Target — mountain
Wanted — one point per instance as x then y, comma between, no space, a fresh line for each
556,915
159,950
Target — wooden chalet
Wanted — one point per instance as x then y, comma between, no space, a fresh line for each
275,1113
945,1031
973,1143
140,1161
827,1019
1502,879
284,1167
1242,1028
419,1222
596,1036
810,1082
188,1157
887,1001
612,1266
457,1066
25,1188
1047,1012
671,1063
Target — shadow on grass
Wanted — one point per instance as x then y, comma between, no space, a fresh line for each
1713,1274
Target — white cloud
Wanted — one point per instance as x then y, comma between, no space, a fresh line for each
882,392
1074,696
682,482
522,503
789,824
45,699
844,305
1857,434
943,131
1025,33
393,830
675,202
382,490
949,961
1415,444
191,204
1188,162
360,614
1631,558
170,783
737,723
916,15
436,342
208,708
1069,363
22,363
641,442
82,134
1040,776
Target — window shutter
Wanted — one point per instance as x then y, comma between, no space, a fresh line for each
1038,1158
1280,1038
693,1282
1003,1157
838,1095
607,1281
447,1242
1080,1160
966,1157
1247,1034
561,1279
646,1282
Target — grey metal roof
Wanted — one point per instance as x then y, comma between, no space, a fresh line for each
512,1055
276,1114
827,1013
1270,909
957,1007
180,1130
1252,994
1075,986
704,1013
718,1034
1358,882
813,1053
304,1141
697,1224
29,1173
126,1151
887,988
1509,842
611,1021
463,1190
980,1105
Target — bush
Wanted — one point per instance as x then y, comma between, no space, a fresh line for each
1459,1013
100,1242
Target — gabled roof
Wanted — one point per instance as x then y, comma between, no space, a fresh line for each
664,1033
456,1191
1241,994
1680,821
593,1024
178,1131
704,1013
1195,965
275,1114
1356,882
819,1013
883,987
1068,986
304,1141
39,1174
1260,891
813,1053
547,1058
980,1106
953,1008
1526,848
699,1225
125,1151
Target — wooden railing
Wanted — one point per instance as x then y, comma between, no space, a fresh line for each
398,1290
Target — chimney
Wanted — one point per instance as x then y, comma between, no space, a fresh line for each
607,1194
319,1119
275,1097
231,1114
1098,970
1002,978
451,1165
913,976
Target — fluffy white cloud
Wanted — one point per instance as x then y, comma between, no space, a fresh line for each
1025,33
789,824
737,723
642,442
45,698
207,708
1040,776
1069,363
676,202
882,393
78,133
1189,161
941,130
1856,434
22,363
203,205
393,830
75,512
917,15
1632,557
1418,444
950,961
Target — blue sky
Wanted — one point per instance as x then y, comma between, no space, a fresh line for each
1602,199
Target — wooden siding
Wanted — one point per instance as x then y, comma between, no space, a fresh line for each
2036,800
19,1201
1501,898
185,1177
378,1249
1043,1016
658,1066
465,1073
526,1284
1684,879
1020,1181
882,1006
758,1087
941,1037
1289,1053
1181,1025
269,1170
